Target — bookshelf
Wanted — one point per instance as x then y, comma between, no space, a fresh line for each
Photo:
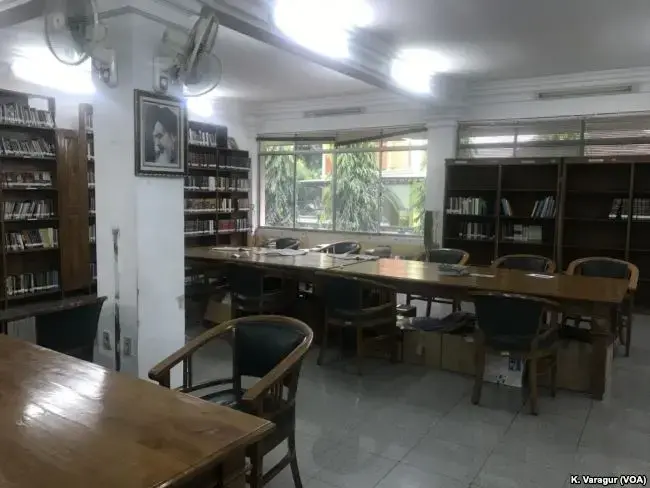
41,199
510,207
87,152
601,208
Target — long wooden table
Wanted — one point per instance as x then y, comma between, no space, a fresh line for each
581,295
68,423
594,297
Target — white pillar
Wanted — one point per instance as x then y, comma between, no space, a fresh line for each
442,136
148,270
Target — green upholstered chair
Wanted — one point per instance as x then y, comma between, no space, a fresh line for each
525,262
269,348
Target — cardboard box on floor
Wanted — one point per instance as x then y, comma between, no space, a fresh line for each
217,312
458,353
422,348
574,366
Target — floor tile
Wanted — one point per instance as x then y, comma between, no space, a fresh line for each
503,472
616,442
404,476
456,461
312,452
355,468
554,431
477,434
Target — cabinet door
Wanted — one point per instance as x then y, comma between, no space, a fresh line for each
72,183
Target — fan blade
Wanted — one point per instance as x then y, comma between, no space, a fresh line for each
71,27
205,76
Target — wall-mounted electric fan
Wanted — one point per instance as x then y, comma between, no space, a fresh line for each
73,33
187,60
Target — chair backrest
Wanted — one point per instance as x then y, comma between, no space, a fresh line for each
343,247
525,262
246,281
71,331
349,295
447,256
499,314
287,243
262,342
380,252
603,267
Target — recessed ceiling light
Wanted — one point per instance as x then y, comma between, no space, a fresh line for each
324,26
413,69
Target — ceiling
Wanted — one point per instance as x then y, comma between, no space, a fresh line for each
501,39
253,71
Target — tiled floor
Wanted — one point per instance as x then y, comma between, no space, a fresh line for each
402,426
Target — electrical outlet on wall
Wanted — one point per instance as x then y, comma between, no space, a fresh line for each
127,347
107,341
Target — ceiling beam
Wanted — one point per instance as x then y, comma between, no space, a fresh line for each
21,12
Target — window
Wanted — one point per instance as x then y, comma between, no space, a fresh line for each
351,182
594,136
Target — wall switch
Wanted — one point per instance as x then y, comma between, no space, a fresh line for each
107,341
128,347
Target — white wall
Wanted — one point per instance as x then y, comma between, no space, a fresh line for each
485,101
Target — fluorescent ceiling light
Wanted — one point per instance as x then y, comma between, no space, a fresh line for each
414,68
201,106
38,66
324,26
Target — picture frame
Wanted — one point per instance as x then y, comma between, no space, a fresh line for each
160,135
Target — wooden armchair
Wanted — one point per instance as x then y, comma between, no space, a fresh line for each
605,267
441,256
362,305
516,324
525,262
270,348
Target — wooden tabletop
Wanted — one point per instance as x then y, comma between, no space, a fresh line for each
315,261
554,287
68,423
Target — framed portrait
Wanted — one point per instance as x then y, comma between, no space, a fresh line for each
160,131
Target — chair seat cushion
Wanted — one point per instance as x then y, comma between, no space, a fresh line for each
227,398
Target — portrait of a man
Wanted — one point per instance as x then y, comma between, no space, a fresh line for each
161,135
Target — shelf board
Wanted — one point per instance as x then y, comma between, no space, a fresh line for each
201,145
595,219
640,250
31,250
526,243
593,248
22,157
640,221
240,231
29,188
523,190
17,126
206,211
534,219
192,167
204,234
462,239
231,190
34,220
598,192
197,190
469,190
24,296
469,216
235,168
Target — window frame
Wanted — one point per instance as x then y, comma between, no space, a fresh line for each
339,147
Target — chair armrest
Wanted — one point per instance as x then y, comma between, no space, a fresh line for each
276,375
367,312
160,372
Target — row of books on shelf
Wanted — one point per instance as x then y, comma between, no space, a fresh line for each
476,231
242,184
32,148
93,270
233,225
199,227
467,206
26,283
200,182
202,160
543,208
621,207
88,121
92,233
28,179
230,204
91,177
90,149
91,204
13,113
32,239
521,233
243,204
28,209
235,162
202,138
199,205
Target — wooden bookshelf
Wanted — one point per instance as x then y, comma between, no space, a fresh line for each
511,220
584,224
87,153
44,237
233,197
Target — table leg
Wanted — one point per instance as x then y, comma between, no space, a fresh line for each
600,341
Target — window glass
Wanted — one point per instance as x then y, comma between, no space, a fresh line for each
314,190
279,185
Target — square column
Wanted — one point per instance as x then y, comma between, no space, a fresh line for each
442,136
142,271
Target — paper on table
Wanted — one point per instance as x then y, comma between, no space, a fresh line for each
281,252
